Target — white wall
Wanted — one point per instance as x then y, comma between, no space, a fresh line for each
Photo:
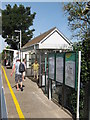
55,41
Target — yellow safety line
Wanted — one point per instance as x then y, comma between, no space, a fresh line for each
14,97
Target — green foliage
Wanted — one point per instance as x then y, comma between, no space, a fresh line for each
79,23
84,78
17,18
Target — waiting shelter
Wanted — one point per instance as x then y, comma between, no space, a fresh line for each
39,48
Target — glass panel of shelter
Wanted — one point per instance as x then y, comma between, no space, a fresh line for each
43,74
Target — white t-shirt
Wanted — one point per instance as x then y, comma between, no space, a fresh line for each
17,68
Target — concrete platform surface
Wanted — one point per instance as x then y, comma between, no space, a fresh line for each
32,101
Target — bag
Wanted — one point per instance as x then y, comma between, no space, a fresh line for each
21,68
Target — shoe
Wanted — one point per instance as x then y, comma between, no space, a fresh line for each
21,89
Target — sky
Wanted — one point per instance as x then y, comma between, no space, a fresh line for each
48,15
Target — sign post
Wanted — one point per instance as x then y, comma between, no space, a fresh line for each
78,89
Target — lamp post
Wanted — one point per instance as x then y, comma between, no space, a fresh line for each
20,36
20,41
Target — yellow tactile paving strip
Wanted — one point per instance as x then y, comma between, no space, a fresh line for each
19,111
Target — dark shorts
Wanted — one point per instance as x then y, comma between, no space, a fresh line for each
18,78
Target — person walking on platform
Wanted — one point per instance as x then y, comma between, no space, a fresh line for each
35,69
18,75
24,62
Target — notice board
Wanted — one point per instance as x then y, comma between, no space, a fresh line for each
70,69
59,68
51,61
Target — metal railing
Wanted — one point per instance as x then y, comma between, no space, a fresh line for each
3,110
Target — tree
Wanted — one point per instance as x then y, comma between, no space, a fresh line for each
79,23
17,18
